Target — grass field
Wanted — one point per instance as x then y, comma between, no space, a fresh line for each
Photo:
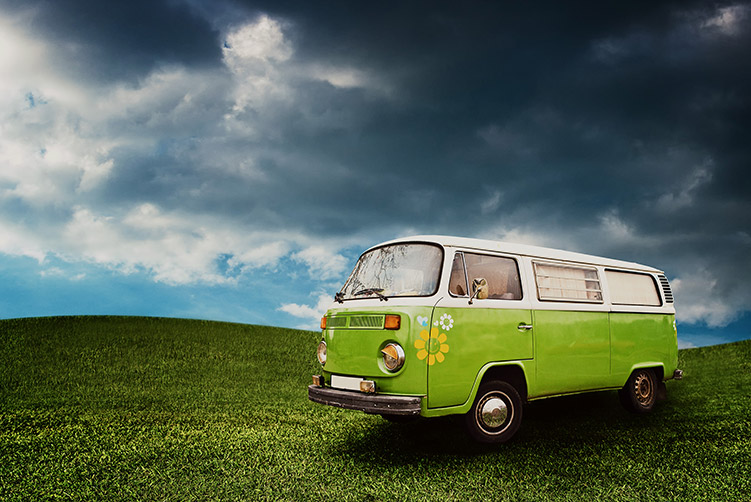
166,409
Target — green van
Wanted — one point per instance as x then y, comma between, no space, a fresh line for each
432,325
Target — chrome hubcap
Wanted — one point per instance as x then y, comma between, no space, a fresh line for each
493,412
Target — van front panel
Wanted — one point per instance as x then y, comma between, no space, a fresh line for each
355,338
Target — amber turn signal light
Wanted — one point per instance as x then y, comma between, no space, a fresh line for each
392,321
323,322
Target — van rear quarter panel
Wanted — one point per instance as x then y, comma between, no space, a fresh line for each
638,340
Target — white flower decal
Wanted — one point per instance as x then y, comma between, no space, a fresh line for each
447,322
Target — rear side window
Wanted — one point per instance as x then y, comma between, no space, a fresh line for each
628,288
501,275
572,283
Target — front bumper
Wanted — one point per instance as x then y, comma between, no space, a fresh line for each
369,403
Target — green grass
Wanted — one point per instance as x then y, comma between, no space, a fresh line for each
166,409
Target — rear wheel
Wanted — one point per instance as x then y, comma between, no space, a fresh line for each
640,392
496,414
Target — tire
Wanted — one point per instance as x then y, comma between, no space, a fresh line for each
496,414
640,392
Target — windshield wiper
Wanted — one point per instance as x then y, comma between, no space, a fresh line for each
339,297
372,291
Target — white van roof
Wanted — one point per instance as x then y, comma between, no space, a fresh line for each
523,250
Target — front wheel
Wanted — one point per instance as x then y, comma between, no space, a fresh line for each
496,414
640,392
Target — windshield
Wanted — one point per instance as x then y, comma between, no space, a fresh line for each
395,270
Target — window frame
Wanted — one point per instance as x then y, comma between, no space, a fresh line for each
515,261
574,266
657,287
466,279
439,278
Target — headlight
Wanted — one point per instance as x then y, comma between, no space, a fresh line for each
393,356
321,352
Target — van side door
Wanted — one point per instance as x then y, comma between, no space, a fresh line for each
484,318
572,328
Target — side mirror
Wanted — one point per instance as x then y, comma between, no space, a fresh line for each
479,289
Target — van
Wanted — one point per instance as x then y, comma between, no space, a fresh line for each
432,326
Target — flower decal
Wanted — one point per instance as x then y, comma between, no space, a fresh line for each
432,346
447,322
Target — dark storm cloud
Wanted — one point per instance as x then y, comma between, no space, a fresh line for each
121,40
619,129
588,99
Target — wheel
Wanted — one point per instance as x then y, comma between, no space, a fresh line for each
640,392
496,414
399,419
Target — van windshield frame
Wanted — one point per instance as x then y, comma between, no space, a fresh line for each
401,269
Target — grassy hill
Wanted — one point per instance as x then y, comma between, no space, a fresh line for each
166,409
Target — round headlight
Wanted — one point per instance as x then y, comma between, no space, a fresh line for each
321,352
393,356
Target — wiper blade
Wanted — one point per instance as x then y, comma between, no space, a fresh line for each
372,291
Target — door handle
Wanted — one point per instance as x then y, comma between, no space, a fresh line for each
524,327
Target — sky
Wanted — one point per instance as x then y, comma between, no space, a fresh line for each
230,160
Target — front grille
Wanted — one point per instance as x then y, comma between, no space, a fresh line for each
355,322
336,322
666,288
366,321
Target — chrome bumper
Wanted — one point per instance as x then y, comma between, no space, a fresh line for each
369,403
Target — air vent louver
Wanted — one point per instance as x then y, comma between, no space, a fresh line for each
666,288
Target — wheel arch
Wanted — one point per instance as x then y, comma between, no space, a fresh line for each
657,367
511,372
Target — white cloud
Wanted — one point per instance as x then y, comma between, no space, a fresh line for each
684,196
313,313
323,262
63,143
262,40
176,248
700,299
685,344
255,54
517,235
614,227
687,31
727,20
490,203
347,77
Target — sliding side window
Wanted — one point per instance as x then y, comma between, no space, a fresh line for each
570,283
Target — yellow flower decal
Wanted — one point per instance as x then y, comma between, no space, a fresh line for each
431,345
